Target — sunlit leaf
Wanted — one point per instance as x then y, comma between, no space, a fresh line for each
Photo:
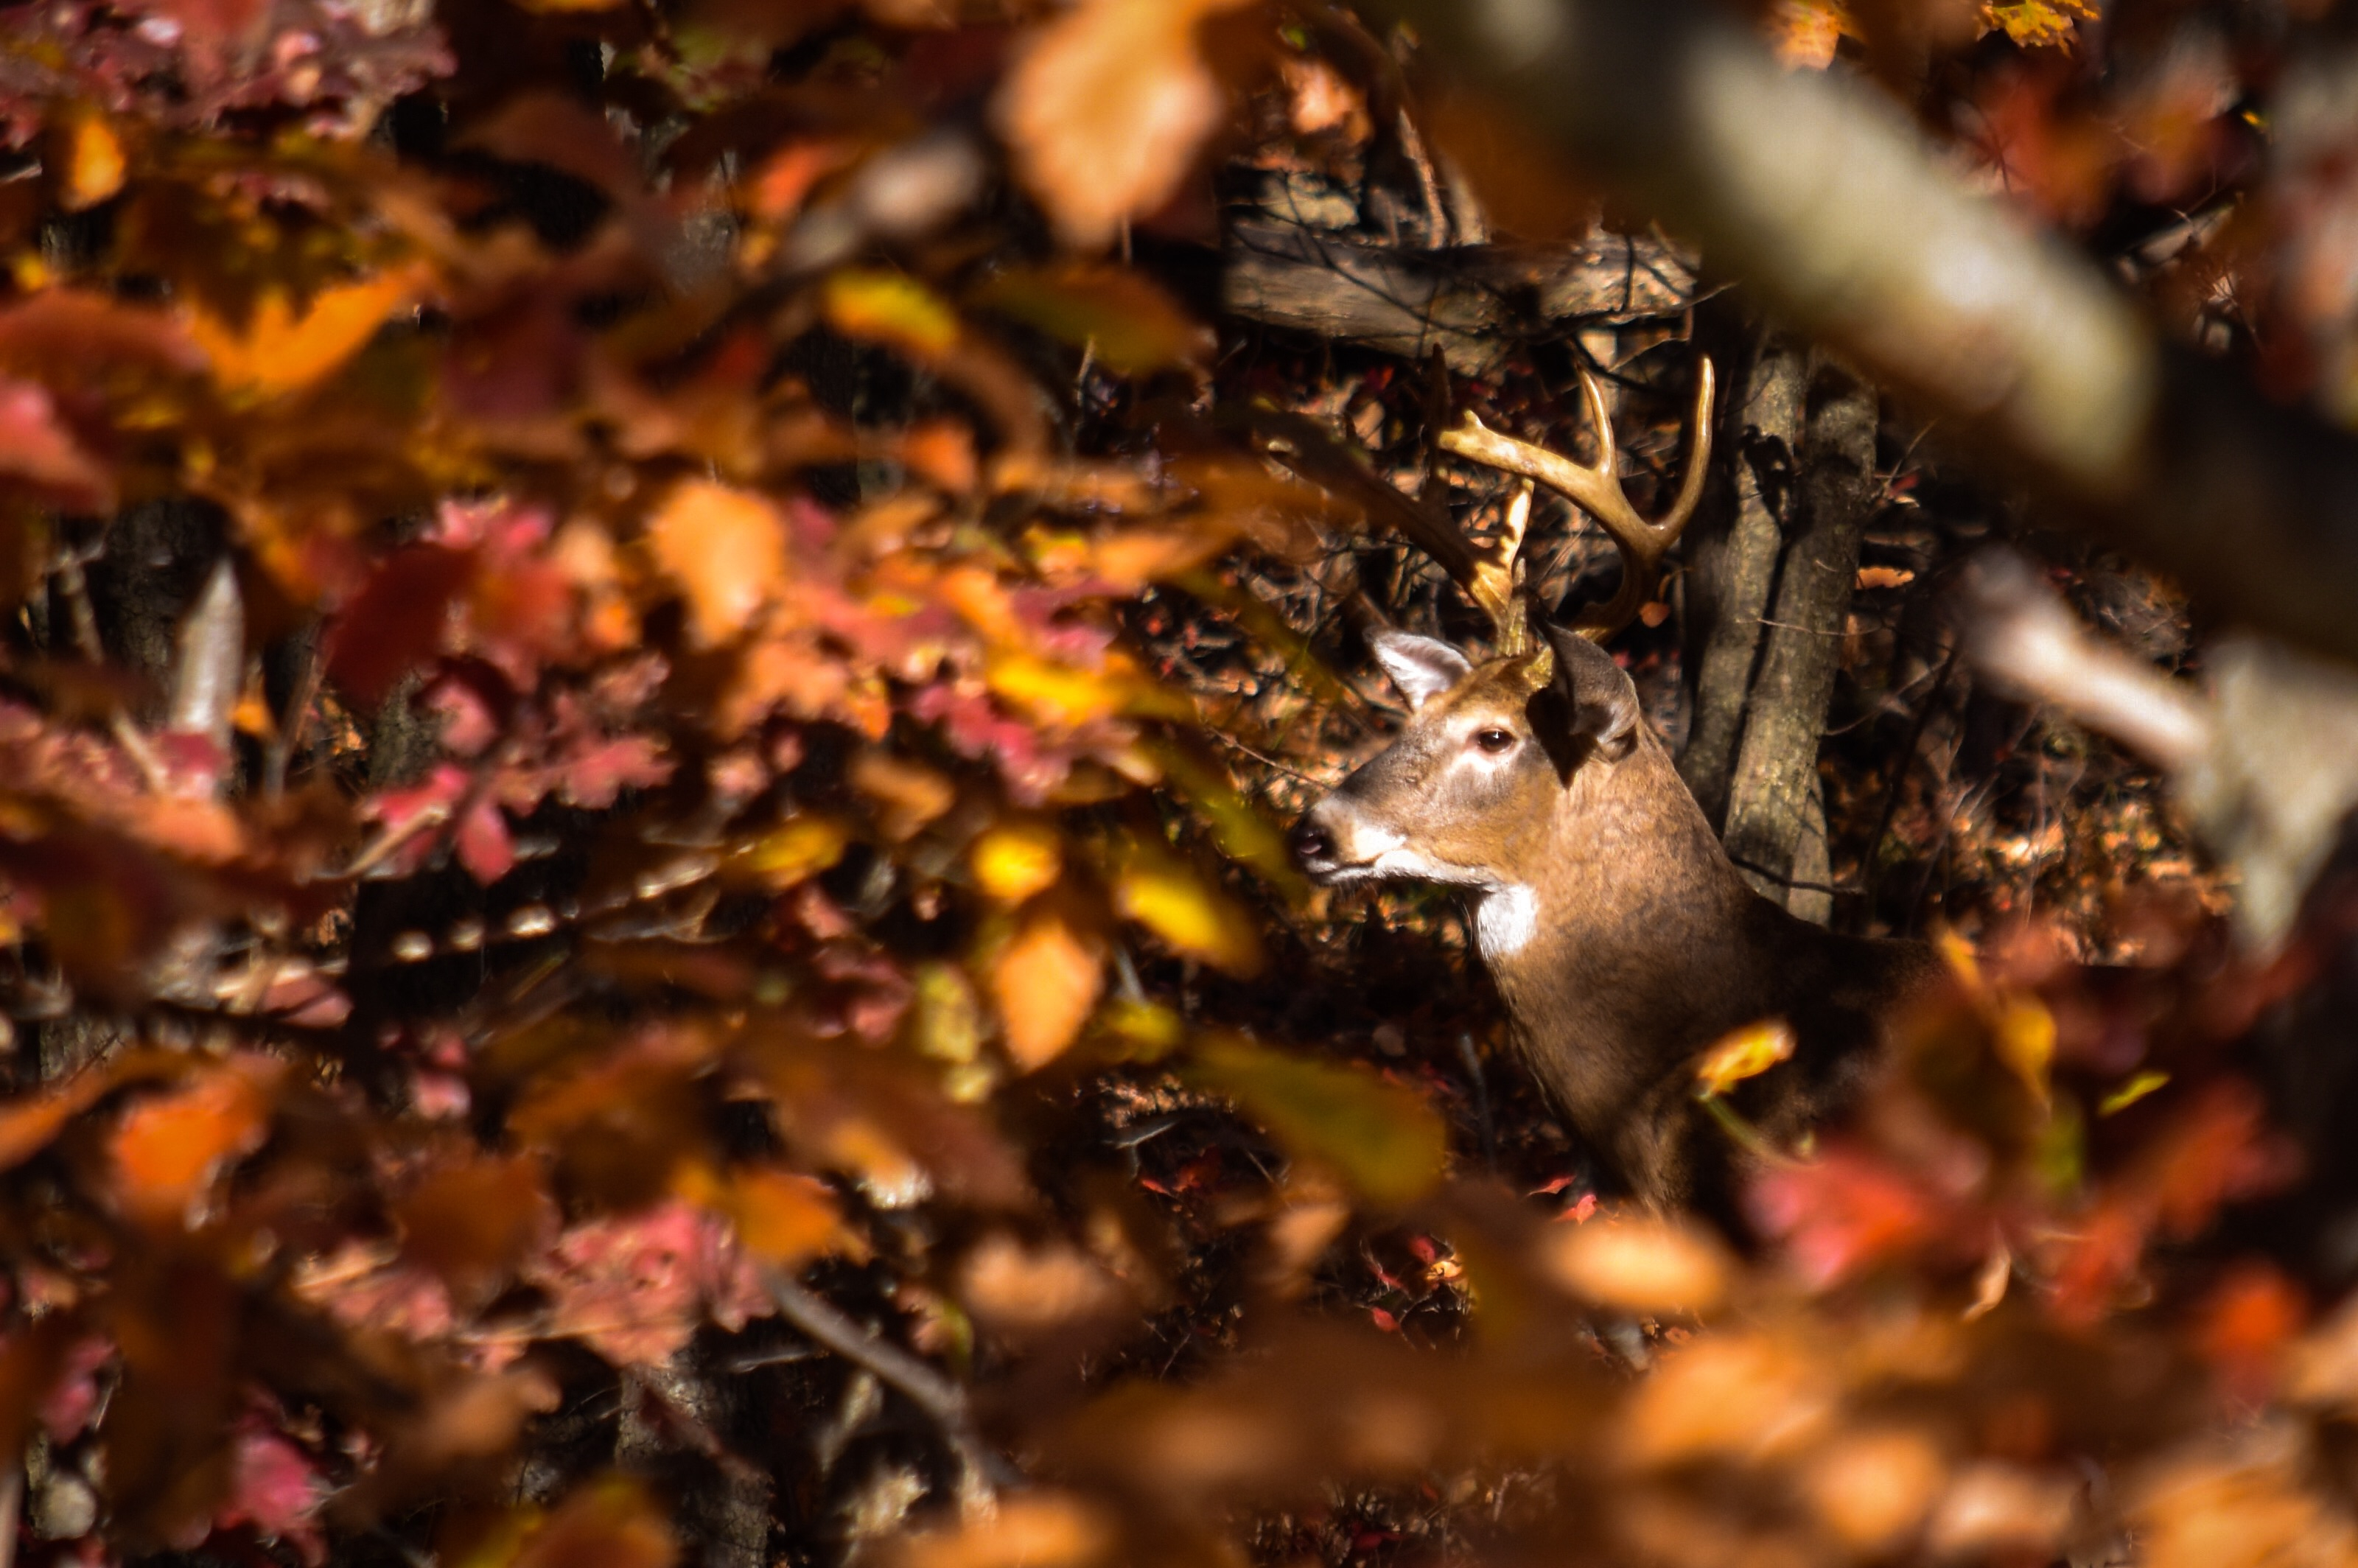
780,1217
609,1523
1017,858
2026,1040
891,307
1382,1138
1125,321
1636,1265
168,1149
279,351
1045,982
94,163
797,850
1744,1053
1162,893
1107,108
1031,1529
725,549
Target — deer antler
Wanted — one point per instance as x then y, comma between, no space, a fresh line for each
1497,578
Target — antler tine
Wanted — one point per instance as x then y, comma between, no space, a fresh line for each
1598,491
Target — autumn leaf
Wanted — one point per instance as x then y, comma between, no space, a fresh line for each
1016,859
1639,1265
1045,981
2040,24
1807,33
94,164
1161,892
1381,1138
279,351
168,1149
891,307
725,548
609,1523
1033,1529
38,451
1746,1052
781,1217
1127,322
797,849
1105,111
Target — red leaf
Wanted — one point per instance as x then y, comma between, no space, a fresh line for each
396,620
275,1487
484,848
37,448
73,1400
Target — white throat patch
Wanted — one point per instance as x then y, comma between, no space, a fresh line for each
1504,921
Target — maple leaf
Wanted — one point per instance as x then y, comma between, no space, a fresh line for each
634,1288
275,1487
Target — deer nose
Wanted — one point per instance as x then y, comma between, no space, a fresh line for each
1313,847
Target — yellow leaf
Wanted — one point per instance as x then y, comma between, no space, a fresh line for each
727,551
1382,1138
1017,860
94,164
1126,320
891,307
280,351
2026,1040
1046,982
1059,694
796,850
1163,895
1746,1052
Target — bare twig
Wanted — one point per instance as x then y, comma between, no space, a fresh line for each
283,746
940,1399
85,629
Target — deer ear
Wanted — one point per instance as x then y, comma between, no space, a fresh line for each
1590,706
1422,667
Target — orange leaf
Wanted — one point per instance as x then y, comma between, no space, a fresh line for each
725,549
94,164
781,1217
168,1150
1107,108
1045,983
280,351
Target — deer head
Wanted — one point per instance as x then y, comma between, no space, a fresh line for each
1473,791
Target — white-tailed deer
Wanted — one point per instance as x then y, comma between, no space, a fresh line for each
1622,939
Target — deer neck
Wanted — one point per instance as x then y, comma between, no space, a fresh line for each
1627,942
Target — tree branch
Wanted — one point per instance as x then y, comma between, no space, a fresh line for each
1831,208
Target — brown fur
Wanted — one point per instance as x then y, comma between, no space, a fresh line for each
1645,946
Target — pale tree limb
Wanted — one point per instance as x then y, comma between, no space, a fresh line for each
1821,199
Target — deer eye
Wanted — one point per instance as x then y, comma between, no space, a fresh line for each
1494,740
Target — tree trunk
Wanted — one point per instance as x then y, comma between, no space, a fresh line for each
1734,564
1774,804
